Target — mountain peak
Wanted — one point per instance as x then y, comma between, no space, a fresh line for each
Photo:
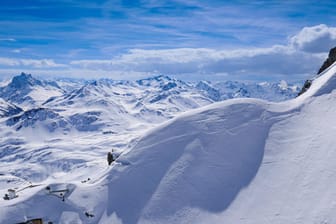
161,77
157,78
24,80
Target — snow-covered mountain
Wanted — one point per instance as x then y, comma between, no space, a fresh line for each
113,106
279,91
167,97
60,140
236,161
27,91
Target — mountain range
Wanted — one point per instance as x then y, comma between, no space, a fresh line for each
101,104
203,152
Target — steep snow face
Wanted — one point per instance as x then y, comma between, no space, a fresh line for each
241,161
196,162
294,181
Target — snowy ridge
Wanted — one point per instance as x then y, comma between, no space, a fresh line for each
199,162
237,161
196,160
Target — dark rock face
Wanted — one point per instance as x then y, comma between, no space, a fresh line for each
306,86
329,61
23,81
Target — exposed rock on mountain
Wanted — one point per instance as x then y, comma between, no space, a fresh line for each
306,86
329,61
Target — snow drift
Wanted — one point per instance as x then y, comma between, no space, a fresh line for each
238,161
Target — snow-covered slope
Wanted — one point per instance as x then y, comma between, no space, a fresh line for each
8,109
237,161
241,161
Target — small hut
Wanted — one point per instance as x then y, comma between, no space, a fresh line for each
11,194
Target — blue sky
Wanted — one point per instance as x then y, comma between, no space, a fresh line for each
187,39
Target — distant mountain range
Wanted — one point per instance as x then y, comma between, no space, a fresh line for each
109,105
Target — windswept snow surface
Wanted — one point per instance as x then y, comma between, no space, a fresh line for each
238,161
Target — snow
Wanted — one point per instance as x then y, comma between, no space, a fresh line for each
237,161
8,109
241,161
293,184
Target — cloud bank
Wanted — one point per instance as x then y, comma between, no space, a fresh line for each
298,59
316,39
29,63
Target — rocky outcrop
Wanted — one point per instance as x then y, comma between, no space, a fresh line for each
24,81
305,86
329,61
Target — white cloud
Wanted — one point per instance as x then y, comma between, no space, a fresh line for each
43,63
315,39
33,63
261,63
9,62
300,58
